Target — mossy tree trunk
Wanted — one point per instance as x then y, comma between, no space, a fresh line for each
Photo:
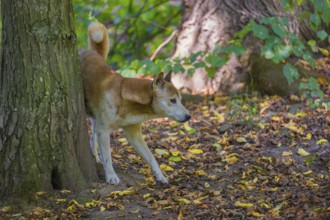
43,128
208,23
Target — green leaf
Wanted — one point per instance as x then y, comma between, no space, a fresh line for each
290,73
191,71
322,35
194,56
315,21
128,73
311,42
234,48
259,31
245,30
175,159
210,71
199,64
178,68
278,29
215,61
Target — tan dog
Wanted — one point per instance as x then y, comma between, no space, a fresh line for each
115,101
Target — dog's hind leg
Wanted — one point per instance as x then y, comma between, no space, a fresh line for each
135,138
93,142
103,138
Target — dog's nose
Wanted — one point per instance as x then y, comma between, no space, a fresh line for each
187,117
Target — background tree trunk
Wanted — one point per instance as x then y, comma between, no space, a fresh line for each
208,23
42,120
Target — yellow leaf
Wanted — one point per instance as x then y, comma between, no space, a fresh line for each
102,208
321,141
60,200
308,172
175,153
40,193
257,214
180,216
221,116
122,140
161,152
308,136
300,114
231,160
275,118
189,129
5,209
64,191
146,195
293,127
241,140
200,173
302,152
325,52
286,153
261,126
122,193
90,204
166,167
183,200
245,205
197,202
265,205
196,151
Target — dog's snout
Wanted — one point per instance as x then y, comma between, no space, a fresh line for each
187,117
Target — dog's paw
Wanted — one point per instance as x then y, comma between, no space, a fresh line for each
161,178
113,179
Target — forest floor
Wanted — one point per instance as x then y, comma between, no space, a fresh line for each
242,157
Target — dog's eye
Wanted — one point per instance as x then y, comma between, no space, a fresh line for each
173,101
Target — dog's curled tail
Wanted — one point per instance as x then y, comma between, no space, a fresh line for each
98,38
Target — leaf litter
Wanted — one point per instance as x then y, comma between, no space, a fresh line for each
244,157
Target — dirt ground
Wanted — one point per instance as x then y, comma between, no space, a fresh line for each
243,157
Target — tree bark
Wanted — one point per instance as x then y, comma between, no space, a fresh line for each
206,24
42,121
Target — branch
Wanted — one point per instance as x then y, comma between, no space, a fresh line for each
174,33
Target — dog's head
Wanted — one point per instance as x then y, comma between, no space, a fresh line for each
167,99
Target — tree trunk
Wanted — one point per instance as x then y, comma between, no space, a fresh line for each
206,24
42,121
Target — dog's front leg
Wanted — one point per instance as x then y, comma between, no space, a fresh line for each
135,138
103,138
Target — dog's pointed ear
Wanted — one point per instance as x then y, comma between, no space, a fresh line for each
159,79
168,77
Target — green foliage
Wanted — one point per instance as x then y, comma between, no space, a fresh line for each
136,28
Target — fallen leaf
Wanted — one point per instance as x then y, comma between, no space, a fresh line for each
302,152
244,205
307,172
161,152
180,216
241,140
189,129
175,159
257,214
102,208
175,153
196,151
286,153
166,168
60,200
321,141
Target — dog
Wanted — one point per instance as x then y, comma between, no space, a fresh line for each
112,101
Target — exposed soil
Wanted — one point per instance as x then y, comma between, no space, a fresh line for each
244,157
